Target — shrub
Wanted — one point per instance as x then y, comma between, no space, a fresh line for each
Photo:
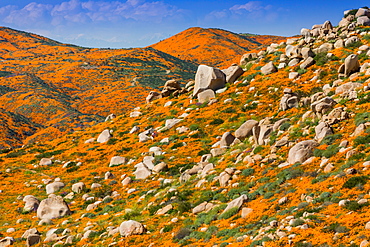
229,213
193,127
355,181
217,121
328,152
354,206
330,139
361,140
247,172
361,118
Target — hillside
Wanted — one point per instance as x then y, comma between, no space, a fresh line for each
277,157
62,88
211,46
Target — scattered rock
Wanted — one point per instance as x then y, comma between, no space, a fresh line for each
232,73
45,162
245,130
104,136
236,203
117,160
54,187
31,203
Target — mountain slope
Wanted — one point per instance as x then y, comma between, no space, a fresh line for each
63,87
298,174
214,47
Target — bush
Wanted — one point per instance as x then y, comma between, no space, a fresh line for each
355,181
328,152
248,172
354,206
330,139
361,118
229,213
361,140
216,121
193,127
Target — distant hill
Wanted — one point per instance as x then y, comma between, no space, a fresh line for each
211,46
62,87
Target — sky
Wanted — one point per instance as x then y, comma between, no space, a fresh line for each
139,23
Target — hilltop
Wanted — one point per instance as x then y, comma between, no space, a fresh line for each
272,152
212,46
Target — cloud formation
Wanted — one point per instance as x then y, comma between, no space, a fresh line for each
252,10
77,11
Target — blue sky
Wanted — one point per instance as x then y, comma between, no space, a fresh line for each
138,23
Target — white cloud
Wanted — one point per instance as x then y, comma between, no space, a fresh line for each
79,11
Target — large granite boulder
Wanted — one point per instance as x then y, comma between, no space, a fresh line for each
208,78
53,207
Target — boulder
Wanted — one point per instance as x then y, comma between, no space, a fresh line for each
206,96
301,151
6,241
232,73
33,239
208,78
117,160
45,162
339,43
31,203
226,139
269,68
351,65
289,100
54,187
351,40
52,207
131,227
104,136
153,95
164,210
362,12
347,87
110,117
363,20
247,57
203,207
171,87
323,106
236,203
261,134
326,47
142,172
321,130
224,179
78,187
245,130
160,167
307,52
307,63
172,122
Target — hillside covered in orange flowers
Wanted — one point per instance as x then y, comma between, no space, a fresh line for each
58,88
212,46
272,152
